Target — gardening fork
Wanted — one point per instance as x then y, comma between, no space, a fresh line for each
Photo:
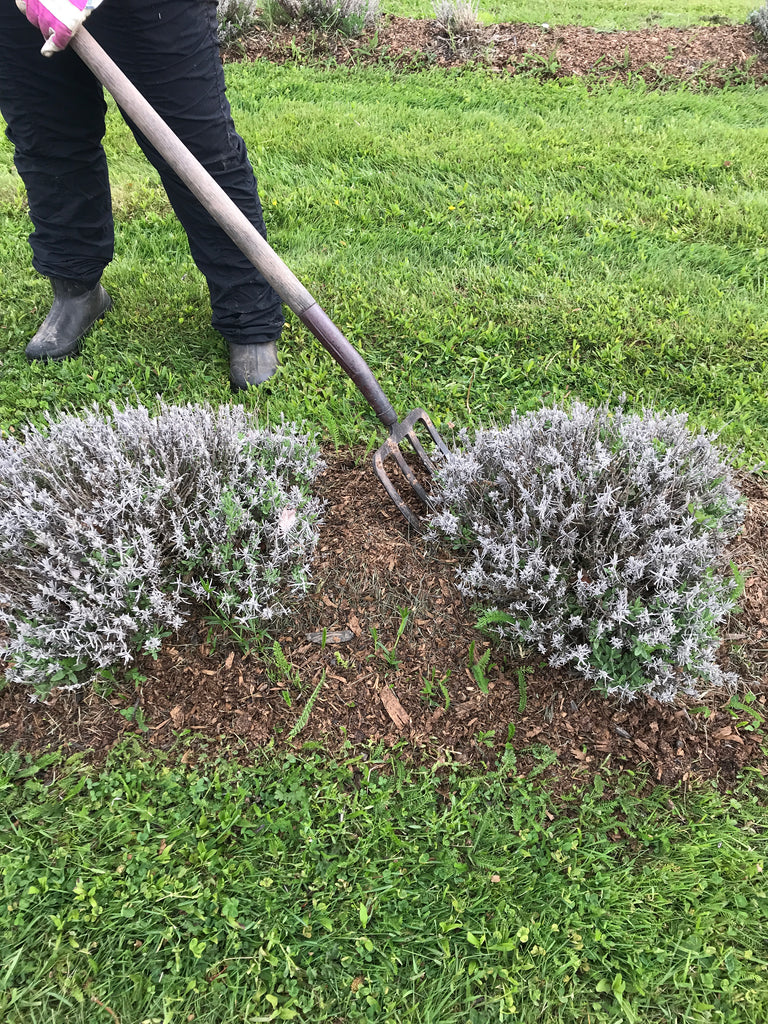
286,284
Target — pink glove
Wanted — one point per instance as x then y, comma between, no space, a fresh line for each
58,20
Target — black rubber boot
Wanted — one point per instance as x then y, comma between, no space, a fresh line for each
250,365
75,310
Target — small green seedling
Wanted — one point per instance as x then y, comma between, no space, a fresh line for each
135,714
303,718
68,673
522,688
342,662
485,739
478,666
388,654
428,689
246,639
281,670
744,713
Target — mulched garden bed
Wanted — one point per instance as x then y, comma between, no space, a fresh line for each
714,55
367,569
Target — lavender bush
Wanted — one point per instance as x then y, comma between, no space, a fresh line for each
111,524
350,17
759,19
458,20
598,537
236,19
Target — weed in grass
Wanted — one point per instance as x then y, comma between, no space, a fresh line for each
332,428
135,715
110,680
280,669
428,690
221,628
538,65
69,674
346,663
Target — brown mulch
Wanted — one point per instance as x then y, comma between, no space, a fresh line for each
705,55
368,571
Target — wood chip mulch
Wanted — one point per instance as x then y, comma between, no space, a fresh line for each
368,573
711,55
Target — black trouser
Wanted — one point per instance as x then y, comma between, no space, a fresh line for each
55,110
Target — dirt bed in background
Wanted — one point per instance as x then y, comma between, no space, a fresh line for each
368,571
706,55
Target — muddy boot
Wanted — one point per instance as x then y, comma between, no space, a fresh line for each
75,309
250,365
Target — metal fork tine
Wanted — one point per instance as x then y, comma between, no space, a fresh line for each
417,447
401,431
409,475
405,430
439,442
394,495
419,416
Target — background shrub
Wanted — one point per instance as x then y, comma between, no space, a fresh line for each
110,525
597,537
350,17
458,20
236,19
759,19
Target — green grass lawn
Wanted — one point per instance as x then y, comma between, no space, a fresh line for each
317,891
485,243
595,13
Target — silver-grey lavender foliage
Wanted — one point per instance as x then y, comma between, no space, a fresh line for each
348,16
598,537
759,19
236,18
111,525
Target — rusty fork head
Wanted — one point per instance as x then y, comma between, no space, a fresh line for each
405,430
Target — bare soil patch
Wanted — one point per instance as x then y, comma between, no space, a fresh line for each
368,570
715,55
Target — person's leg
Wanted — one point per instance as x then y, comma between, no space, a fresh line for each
54,111
169,50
